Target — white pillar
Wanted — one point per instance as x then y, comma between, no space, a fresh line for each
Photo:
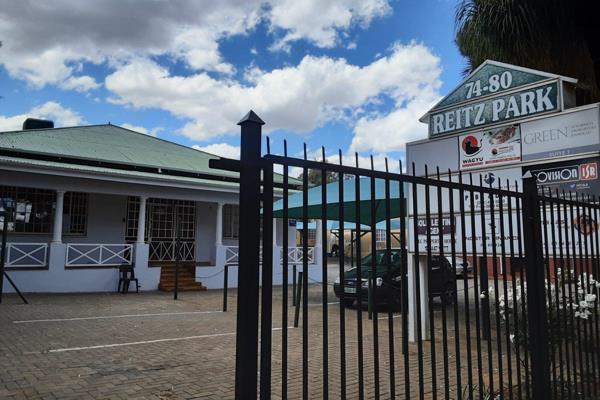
319,234
423,288
219,228
58,217
141,229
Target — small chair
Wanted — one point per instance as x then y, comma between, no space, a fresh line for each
126,276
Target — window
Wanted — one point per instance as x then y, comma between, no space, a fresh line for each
312,236
231,221
161,219
380,235
32,209
75,212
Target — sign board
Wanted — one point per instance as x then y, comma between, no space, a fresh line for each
490,147
434,153
561,135
528,102
576,176
434,225
491,78
507,179
555,225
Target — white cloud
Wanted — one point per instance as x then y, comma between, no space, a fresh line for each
60,38
79,83
321,21
220,149
391,131
61,116
297,98
152,132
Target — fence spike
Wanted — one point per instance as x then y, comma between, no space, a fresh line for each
386,165
285,147
323,153
372,163
356,158
268,145
305,154
340,155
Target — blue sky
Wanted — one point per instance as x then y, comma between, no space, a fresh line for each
354,75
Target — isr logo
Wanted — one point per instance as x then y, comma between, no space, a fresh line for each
588,171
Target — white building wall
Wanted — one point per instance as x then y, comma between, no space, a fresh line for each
107,210
206,217
106,220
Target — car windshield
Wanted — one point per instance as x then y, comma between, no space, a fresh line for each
381,265
381,259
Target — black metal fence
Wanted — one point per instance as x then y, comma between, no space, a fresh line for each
490,294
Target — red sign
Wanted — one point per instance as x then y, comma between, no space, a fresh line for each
588,172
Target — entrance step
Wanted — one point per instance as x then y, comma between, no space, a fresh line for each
187,278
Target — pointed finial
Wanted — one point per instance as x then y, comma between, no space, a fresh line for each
251,117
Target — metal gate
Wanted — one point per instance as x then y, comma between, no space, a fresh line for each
491,293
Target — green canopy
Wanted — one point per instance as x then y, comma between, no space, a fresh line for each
349,200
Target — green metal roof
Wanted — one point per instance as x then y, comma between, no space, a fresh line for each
23,162
111,146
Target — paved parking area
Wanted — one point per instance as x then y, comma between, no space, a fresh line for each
135,346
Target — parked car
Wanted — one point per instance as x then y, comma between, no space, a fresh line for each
461,265
388,280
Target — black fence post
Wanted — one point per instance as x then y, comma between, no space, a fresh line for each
3,250
298,299
177,251
246,363
225,286
484,287
536,296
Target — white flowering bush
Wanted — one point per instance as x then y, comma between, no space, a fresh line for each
572,311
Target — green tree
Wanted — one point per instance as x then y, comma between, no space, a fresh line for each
558,36
315,177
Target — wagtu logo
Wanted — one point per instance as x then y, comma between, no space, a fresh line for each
471,145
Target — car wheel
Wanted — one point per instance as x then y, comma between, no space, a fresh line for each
347,302
448,295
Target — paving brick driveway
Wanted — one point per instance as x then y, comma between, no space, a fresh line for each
112,346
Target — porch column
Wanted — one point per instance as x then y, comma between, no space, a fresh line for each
319,234
219,228
141,229
58,217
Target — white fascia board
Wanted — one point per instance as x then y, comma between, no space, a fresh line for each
112,177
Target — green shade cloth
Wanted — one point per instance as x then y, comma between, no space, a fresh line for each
351,206
335,225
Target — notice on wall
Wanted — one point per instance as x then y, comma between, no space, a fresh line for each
571,176
489,148
562,135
